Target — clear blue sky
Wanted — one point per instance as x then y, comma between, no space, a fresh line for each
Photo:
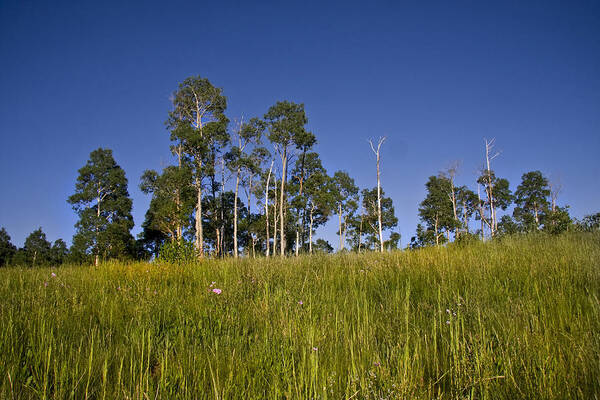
434,77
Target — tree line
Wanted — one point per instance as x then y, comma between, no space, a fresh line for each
448,211
256,186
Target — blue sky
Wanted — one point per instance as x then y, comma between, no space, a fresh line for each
434,77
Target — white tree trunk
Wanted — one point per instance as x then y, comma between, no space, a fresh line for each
312,209
340,230
275,220
199,242
267,208
380,227
282,203
235,214
97,258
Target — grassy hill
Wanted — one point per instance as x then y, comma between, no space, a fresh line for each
517,318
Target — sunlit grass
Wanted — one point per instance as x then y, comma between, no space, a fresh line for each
510,319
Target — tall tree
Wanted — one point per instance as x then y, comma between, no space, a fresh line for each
377,152
531,199
436,210
487,180
7,249
286,126
37,249
198,125
102,203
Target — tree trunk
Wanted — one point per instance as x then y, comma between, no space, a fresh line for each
235,214
310,229
282,202
267,209
453,199
199,242
340,231
490,192
345,229
465,217
223,207
377,155
275,220
481,213
379,205
179,228
97,258
360,234
437,238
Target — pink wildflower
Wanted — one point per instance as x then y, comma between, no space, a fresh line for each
315,349
45,284
300,302
53,275
217,291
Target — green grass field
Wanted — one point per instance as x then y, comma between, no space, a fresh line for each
502,320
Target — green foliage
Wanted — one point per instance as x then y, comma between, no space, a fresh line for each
171,204
177,252
37,249
312,199
508,319
508,226
590,223
286,122
436,209
393,242
224,222
102,203
425,237
322,246
369,217
7,249
59,252
499,187
466,239
531,199
557,221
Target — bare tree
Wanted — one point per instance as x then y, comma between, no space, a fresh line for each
489,148
378,157
555,189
